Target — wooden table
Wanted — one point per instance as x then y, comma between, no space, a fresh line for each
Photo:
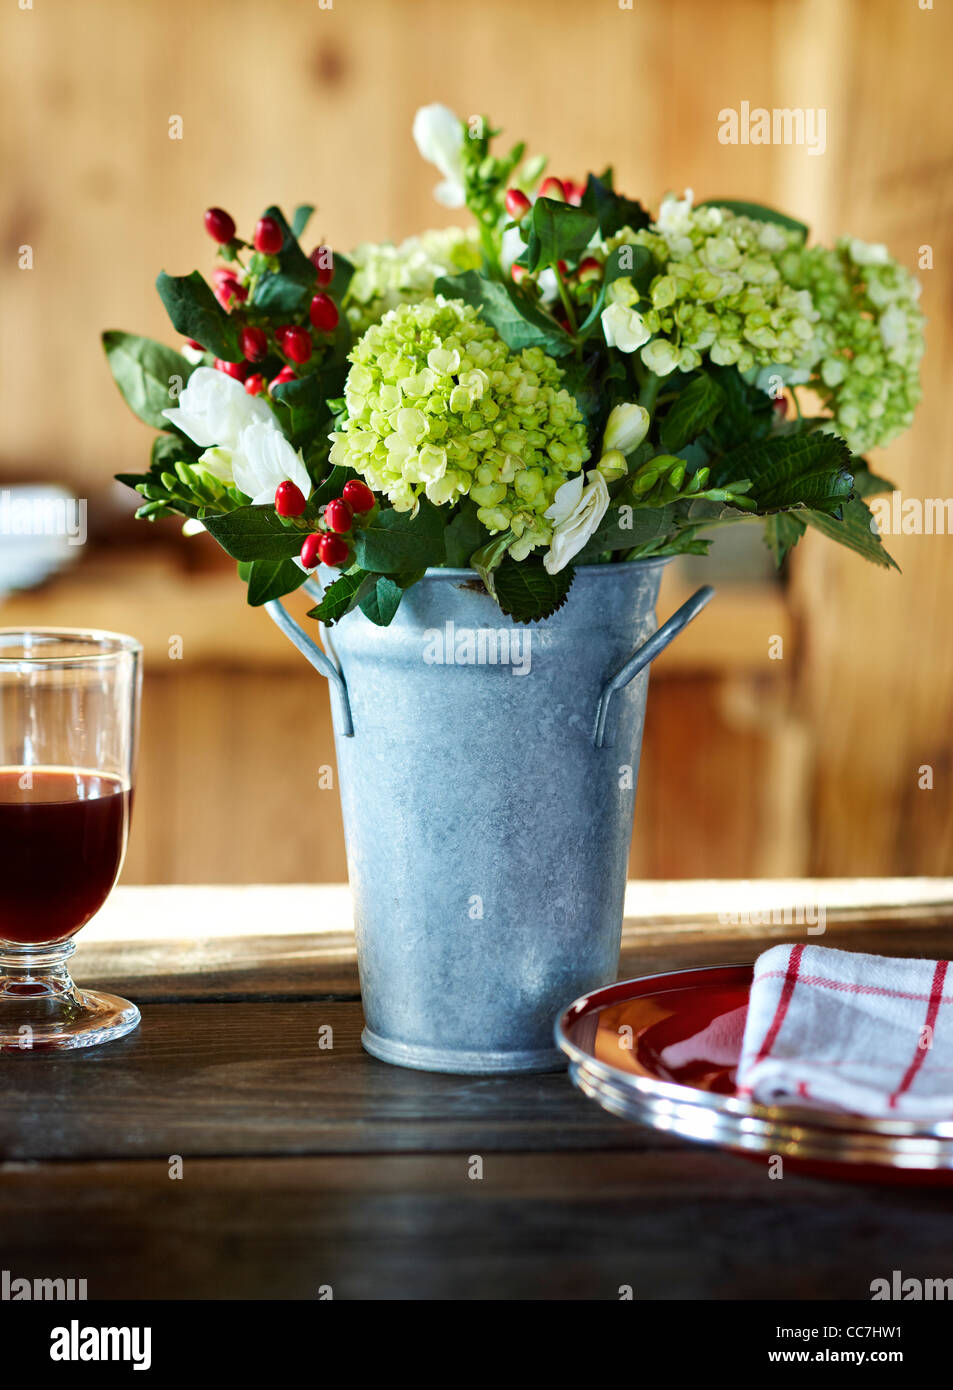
306,1166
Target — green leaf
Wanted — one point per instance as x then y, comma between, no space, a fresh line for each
782,531
527,592
302,216
196,313
143,370
854,531
393,541
343,274
867,484
464,535
488,558
810,470
557,232
291,258
623,528
343,595
636,263
694,410
253,533
284,296
758,212
304,402
169,449
611,210
382,601
746,413
268,579
517,320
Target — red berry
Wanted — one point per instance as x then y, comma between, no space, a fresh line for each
358,496
219,225
269,238
310,552
324,313
575,192
338,515
519,273
517,204
239,370
289,499
553,188
286,374
780,404
193,344
228,289
562,267
333,550
297,344
589,269
254,343
255,385
322,258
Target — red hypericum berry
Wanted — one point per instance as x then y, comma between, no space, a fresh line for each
310,552
589,269
519,273
338,515
517,204
280,332
563,268
254,343
324,313
219,225
780,404
289,499
255,385
228,290
269,238
553,188
193,344
297,344
286,374
239,370
575,192
358,496
333,550
322,258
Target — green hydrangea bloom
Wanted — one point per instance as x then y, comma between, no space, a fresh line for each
437,404
386,275
868,337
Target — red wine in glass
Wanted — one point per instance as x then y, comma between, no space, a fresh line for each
62,839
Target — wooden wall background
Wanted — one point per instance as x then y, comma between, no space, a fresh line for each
751,766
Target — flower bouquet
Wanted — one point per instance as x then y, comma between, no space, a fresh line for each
514,424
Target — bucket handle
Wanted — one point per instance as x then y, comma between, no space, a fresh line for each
648,651
313,653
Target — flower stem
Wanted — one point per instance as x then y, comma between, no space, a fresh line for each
567,302
649,391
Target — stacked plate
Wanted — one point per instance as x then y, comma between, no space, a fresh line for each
662,1050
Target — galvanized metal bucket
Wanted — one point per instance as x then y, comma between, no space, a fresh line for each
488,773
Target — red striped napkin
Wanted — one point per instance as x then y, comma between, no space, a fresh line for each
872,1035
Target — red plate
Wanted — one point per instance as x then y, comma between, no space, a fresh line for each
663,1050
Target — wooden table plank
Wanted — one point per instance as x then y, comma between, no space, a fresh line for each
564,1226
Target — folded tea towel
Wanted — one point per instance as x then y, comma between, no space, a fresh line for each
872,1035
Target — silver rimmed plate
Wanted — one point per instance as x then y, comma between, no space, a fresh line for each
663,1049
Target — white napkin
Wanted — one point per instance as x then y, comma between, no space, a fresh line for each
872,1035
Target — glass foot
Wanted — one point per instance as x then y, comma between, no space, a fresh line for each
42,1010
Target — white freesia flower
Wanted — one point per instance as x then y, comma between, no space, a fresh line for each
439,136
214,408
626,427
576,512
262,459
624,328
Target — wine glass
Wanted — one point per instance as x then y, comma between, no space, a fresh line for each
69,716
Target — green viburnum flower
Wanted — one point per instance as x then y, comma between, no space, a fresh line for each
718,290
438,405
386,275
868,337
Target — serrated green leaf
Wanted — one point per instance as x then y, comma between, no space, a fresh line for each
196,313
810,470
527,592
464,535
342,595
253,533
283,296
782,531
393,542
854,531
611,210
518,321
692,412
382,601
145,371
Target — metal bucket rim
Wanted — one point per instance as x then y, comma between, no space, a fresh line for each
616,567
